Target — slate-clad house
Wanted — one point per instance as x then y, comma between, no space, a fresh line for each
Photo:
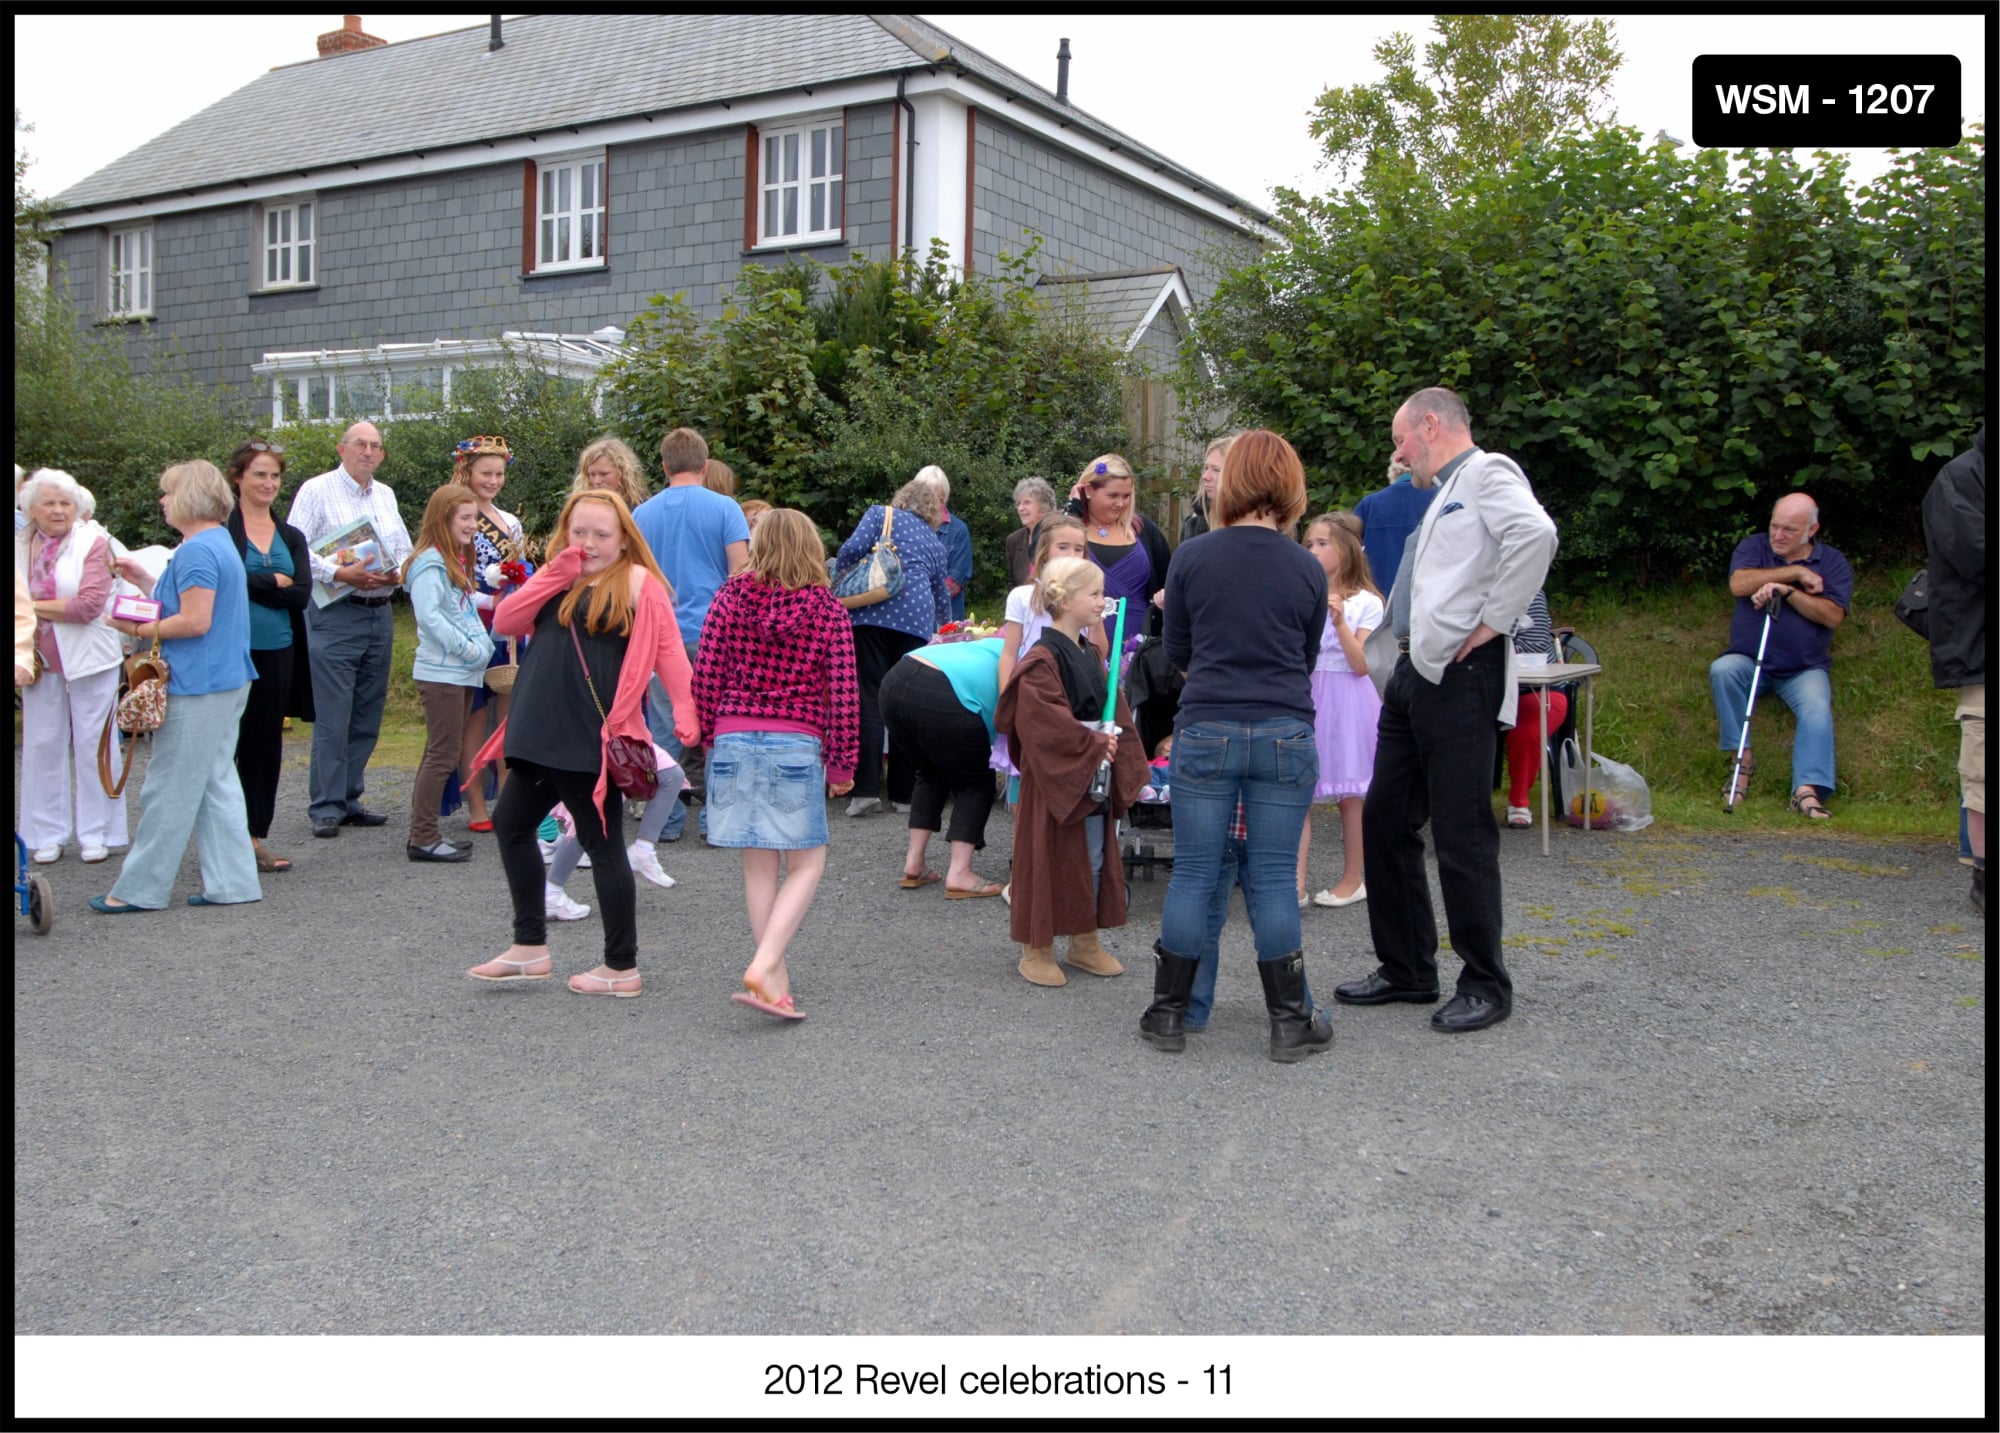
399,208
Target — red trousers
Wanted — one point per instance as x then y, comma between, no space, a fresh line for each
1524,742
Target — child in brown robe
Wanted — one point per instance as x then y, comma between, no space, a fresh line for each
1068,877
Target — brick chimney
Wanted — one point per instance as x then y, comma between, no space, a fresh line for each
348,37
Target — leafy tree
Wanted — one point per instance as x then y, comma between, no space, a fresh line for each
1665,343
826,389
1489,85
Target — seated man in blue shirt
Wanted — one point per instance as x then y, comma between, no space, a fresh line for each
1814,586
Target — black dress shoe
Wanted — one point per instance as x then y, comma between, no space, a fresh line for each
1372,989
327,826
443,851
362,816
1469,1012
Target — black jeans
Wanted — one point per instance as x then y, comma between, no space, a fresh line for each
529,795
1434,763
876,652
948,747
260,735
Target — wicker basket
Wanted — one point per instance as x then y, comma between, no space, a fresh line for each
500,680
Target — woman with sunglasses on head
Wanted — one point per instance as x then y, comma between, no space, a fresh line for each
481,464
275,564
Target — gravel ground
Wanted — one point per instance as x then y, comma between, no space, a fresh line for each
1743,1091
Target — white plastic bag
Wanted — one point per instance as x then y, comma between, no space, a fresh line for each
1619,797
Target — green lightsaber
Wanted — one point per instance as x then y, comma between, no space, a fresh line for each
1117,645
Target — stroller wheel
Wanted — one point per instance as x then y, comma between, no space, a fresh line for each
41,905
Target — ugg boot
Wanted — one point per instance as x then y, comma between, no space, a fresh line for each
1164,1024
1038,966
1298,1027
1090,957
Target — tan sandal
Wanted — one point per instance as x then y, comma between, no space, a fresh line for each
1736,790
501,969
266,862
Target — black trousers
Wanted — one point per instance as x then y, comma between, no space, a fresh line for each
876,652
531,793
1434,763
948,748
260,735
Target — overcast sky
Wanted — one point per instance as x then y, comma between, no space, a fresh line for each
1226,96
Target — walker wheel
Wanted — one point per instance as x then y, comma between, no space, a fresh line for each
41,905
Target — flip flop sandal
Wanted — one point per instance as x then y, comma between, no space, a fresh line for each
589,983
782,1008
520,969
928,878
991,888
1808,804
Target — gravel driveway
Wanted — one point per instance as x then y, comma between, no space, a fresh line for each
1743,1091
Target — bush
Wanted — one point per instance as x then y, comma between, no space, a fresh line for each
1665,343
828,389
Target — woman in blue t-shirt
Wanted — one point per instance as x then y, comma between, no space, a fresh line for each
204,633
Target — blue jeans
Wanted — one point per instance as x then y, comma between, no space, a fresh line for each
350,653
1272,766
660,722
1810,696
192,790
1201,998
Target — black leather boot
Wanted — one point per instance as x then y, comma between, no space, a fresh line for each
1298,1027
1163,1025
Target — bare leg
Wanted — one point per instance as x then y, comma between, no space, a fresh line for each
913,862
786,914
1350,847
960,876
760,889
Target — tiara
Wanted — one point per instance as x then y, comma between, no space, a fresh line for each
484,446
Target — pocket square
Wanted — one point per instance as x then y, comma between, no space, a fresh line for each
1450,508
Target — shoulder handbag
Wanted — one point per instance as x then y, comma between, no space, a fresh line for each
1913,608
141,708
878,576
634,770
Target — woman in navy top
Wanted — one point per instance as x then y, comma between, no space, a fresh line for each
886,630
204,631
1245,609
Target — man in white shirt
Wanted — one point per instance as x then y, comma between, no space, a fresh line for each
350,636
1469,572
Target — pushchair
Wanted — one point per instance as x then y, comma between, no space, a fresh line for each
1153,688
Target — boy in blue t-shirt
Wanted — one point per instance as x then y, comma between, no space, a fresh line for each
700,539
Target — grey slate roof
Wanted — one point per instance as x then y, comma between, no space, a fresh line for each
554,71
1112,304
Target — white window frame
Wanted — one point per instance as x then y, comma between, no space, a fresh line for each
577,356
563,221
794,181
129,273
288,244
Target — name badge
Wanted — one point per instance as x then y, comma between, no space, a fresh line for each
127,608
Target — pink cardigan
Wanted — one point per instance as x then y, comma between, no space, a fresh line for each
654,630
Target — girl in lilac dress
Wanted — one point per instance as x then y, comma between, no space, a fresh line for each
1345,703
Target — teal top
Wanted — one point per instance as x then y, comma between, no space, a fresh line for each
270,627
973,669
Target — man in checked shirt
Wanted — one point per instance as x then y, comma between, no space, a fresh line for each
350,637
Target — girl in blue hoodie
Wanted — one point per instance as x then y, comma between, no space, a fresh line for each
452,652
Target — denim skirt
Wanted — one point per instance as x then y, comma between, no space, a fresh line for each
766,791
